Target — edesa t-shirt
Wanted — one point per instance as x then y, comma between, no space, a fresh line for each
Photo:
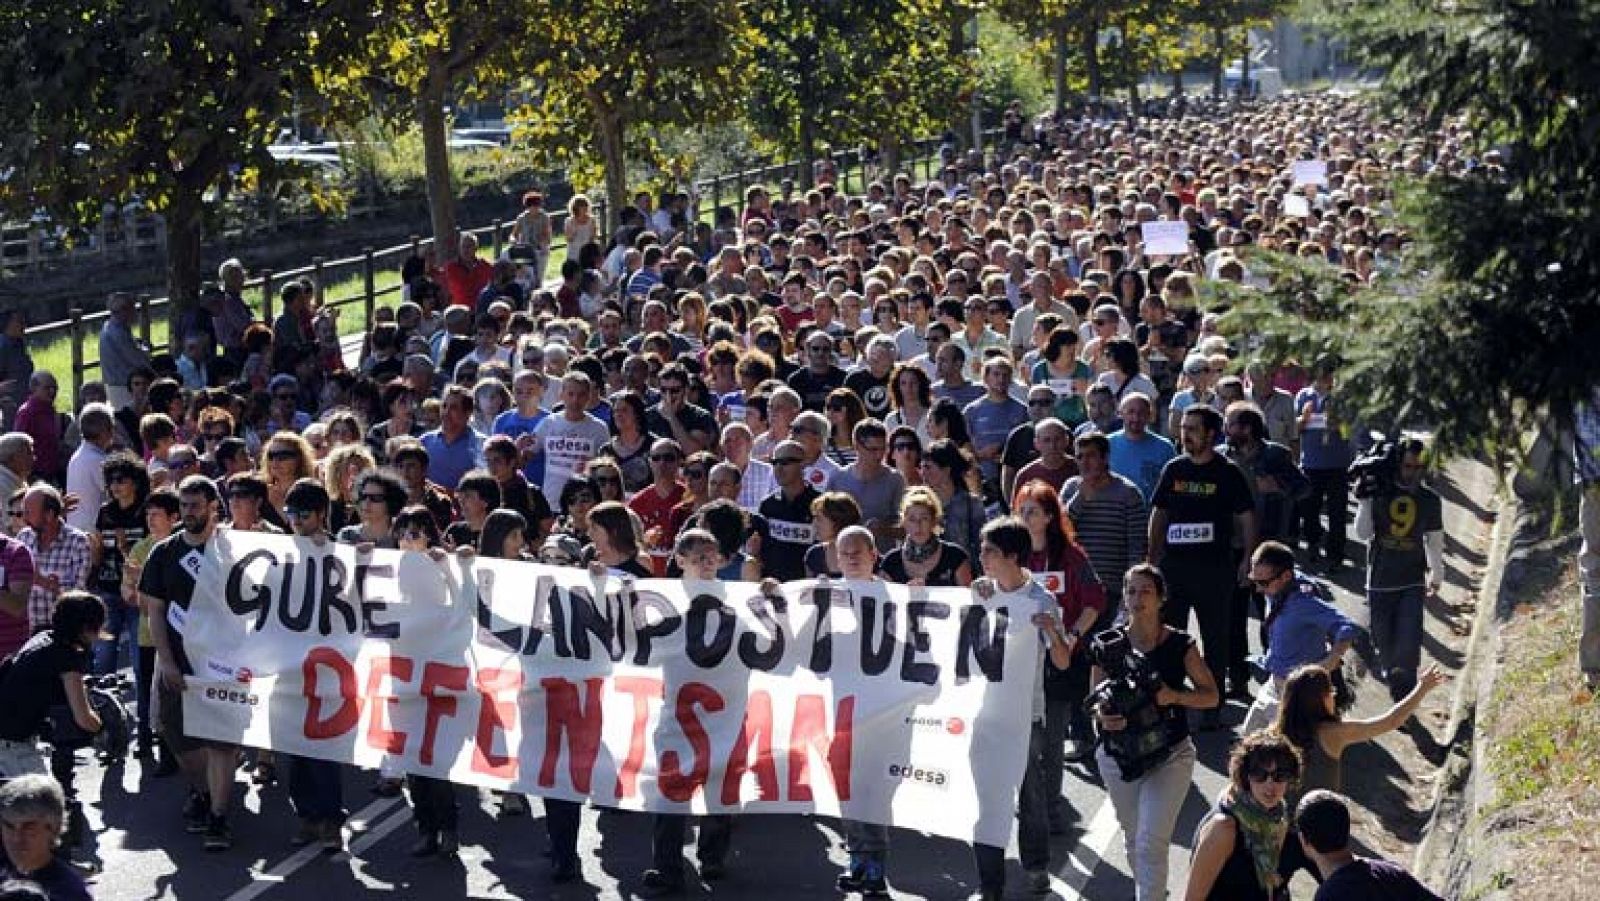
568,447
1201,500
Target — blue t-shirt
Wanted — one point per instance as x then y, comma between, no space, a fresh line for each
990,423
449,461
516,425
1140,462
1321,447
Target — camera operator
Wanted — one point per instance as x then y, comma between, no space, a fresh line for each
1402,520
1301,628
1149,793
48,673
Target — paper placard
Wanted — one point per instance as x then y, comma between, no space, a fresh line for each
1295,205
1309,172
1165,238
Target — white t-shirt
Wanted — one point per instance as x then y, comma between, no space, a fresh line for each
568,447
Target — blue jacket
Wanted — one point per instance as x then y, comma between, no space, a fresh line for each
1302,627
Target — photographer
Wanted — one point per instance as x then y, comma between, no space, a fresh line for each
1402,521
1147,791
45,676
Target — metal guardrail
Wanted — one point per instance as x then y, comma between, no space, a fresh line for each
79,323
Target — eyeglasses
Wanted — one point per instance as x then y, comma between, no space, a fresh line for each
1263,583
787,461
607,480
296,513
181,462
695,473
415,535
1282,777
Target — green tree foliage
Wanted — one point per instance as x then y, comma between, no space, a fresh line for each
1496,332
848,73
610,72
105,100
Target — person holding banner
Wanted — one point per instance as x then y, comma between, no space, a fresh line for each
868,843
1147,791
787,512
166,587
1007,546
615,541
315,786
699,555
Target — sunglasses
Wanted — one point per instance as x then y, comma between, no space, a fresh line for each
415,535
607,480
1041,402
1282,777
787,461
296,513
16,512
181,462
282,455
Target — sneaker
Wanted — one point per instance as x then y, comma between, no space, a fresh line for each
1038,882
332,837
873,883
449,843
218,837
308,832
196,813
657,884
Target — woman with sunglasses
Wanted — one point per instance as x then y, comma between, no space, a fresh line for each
697,479
905,454
607,478
578,497
1238,854
843,409
1148,796
119,524
380,496
340,470
286,459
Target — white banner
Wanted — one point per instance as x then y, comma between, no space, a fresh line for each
1165,238
871,701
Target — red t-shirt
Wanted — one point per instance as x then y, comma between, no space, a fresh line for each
466,281
654,509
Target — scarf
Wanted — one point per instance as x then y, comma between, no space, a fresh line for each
1263,832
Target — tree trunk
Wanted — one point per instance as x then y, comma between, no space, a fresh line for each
1177,81
184,237
436,160
609,135
1244,65
1091,55
1060,37
889,156
1220,62
808,132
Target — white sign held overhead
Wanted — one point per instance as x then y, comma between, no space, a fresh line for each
1309,172
1165,238
1295,205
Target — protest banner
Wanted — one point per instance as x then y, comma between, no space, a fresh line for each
1165,238
878,702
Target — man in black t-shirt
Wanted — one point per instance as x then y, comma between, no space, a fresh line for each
820,376
787,513
1323,823
1201,498
47,673
166,588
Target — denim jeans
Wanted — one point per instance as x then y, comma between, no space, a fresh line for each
316,789
122,624
1396,624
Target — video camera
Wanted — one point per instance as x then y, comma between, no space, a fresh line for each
1129,691
1377,471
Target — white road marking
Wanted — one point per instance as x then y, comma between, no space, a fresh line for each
1102,831
263,882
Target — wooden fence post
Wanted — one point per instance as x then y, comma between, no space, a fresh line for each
316,278
266,296
369,276
495,238
77,350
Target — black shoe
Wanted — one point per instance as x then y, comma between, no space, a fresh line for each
657,884
565,871
218,838
449,843
426,846
196,813
166,766
713,870
849,881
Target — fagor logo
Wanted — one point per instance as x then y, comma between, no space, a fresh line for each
920,775
244,675
953,725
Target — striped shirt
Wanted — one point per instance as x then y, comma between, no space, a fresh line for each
1110,525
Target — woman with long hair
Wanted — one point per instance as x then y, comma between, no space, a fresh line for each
945,423
1309,719
630,442
1060,368
580,229
119,524
1063,567
843,409
339,473
616,539
911,394
947,470
286,459
923,557
607,478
